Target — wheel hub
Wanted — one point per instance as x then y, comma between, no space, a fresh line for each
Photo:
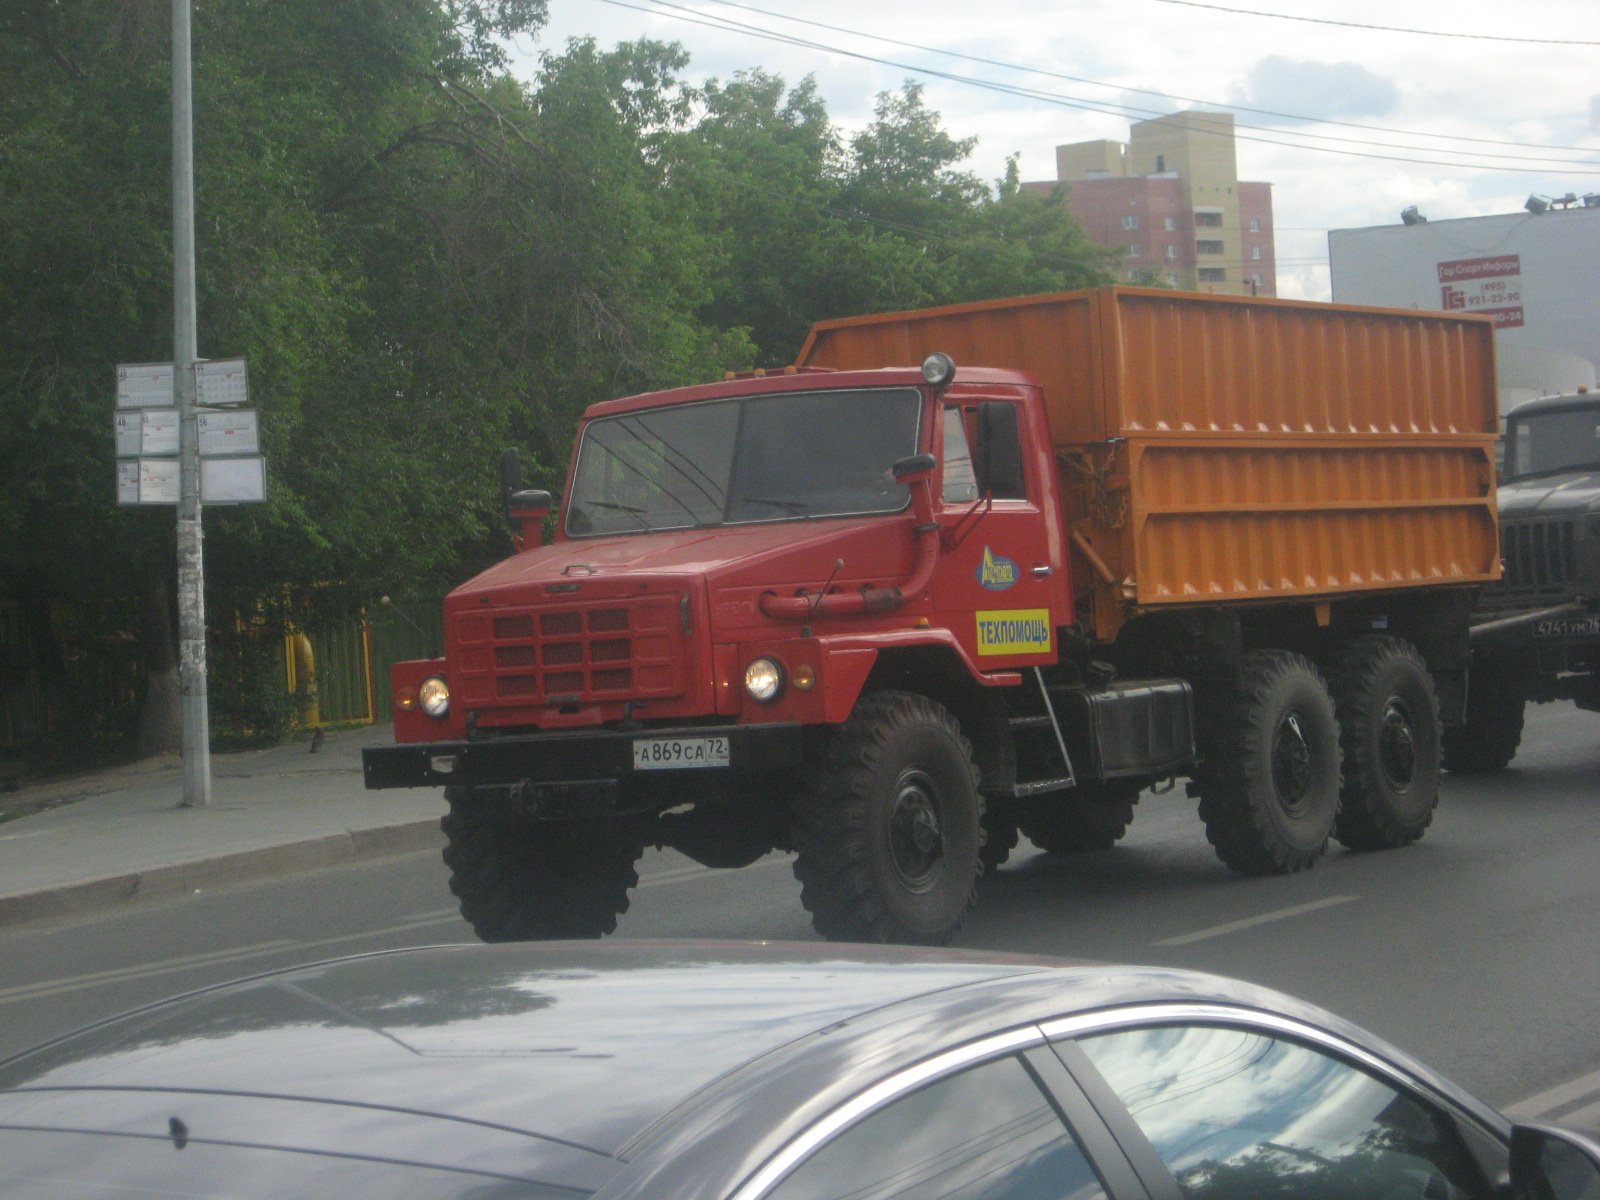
916,843
1397,746
1291,763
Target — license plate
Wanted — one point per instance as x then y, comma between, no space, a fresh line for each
666,754
1568,627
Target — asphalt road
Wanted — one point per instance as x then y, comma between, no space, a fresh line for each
1477,949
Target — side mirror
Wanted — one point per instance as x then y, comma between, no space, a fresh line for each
1548,1163
998,462
914,467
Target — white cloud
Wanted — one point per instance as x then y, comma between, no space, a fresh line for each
1317,89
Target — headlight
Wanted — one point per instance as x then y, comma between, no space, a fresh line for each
763,679
434,695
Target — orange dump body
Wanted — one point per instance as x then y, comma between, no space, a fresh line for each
1229,449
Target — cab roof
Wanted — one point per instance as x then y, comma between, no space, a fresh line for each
791,379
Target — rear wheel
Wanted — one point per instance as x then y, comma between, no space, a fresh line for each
1492,731
1389,735
889,828
520,881
1090,817
1269,784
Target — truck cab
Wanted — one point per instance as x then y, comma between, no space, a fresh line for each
1541,622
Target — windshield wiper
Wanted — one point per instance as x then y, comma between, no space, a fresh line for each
635,513
794,506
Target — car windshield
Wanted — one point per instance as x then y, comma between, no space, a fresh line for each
757,458
1551,441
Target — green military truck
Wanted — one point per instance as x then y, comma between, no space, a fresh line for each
1537,634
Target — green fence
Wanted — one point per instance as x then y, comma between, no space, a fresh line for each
99,679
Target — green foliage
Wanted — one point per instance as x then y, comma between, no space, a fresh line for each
426,260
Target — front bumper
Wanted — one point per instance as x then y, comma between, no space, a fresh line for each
587,761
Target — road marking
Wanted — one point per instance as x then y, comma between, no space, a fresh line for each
1586,1117
1540,1103
188,962
1281,914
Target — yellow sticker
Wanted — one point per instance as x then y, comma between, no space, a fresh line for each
1014,631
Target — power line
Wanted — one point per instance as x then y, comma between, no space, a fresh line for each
1477,37
726,25
1243,108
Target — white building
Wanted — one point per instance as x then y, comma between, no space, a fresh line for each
1536,273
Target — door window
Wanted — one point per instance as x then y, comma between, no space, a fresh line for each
1237,1115
960,483
986,1133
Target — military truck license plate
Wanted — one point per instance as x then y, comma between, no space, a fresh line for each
1569,627
664,754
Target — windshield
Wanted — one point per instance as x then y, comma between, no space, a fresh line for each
757,458
1555,440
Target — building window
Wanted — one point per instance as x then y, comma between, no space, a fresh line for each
1097,174
1161,163
1255,252
1171,223
1172,254
1210,220
1133,250
1255,224
1205,246
1172,278
1213,275
1130,222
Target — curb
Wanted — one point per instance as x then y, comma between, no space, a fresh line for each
110,891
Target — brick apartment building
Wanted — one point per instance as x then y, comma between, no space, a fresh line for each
1172,199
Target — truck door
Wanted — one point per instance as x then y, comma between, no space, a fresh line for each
996,589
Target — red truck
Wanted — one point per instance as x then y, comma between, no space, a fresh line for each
886,611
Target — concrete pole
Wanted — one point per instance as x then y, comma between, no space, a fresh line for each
191,572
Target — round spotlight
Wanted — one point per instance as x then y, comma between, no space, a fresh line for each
938,369
434,696
763,679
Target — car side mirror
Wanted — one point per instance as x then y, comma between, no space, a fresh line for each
914,467
998,462
1548,1163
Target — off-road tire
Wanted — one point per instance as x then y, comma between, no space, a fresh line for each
1089,817
888,830
1488,739
1389,737
521,881
1269,782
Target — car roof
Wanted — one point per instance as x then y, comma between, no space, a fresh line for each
565,1060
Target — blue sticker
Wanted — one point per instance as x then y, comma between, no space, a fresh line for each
996,572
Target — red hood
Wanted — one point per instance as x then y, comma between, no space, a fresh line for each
719,555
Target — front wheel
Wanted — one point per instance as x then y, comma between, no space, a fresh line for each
888,830
1389,732
1269,785
522,881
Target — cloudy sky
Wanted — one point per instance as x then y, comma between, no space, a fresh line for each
1440,113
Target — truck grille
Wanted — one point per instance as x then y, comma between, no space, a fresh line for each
1539,553
604,650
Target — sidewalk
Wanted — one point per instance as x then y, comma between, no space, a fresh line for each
272,812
